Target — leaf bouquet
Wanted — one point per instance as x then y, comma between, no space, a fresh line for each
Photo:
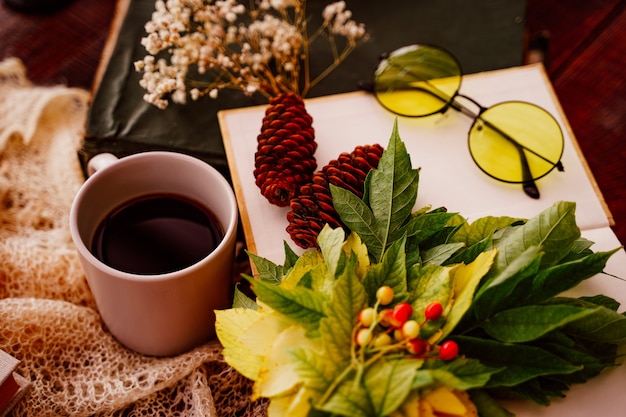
420,313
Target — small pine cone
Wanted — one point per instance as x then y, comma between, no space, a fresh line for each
313,207
284,159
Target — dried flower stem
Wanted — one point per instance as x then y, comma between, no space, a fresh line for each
198,47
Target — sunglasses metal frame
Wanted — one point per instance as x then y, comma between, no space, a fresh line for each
528,181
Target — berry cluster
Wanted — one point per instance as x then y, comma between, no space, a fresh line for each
395,329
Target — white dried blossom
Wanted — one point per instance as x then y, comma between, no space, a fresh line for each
215,44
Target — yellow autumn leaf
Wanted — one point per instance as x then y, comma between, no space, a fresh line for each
277,374
465,279
229,326
293,404
355,245
443,400
307,262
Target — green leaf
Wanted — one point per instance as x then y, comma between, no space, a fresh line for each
389,196
390,271
300,304
349,399
603,325
497,293
359,218
426,284
384,387
393,188
441,253
487,406
461,373
241,300
482,228
423,226
520,362
525,324
388,383
553,281
268,271
347,300
317,370
554,230
290,256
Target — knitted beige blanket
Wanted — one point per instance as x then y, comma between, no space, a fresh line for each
48,319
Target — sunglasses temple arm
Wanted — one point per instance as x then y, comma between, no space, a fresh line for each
528,184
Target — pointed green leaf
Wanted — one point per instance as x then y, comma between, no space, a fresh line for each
301,305
554,230
487,406
424,226
482,228
389,383
358,217
441,253
349,399
290,256
241,300
427,284
390,271
393,188
317,370
603,325
516,278
519,362
525,324
461,373
559,278
347,300
268,271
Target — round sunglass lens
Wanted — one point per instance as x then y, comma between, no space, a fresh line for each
516,141
417,80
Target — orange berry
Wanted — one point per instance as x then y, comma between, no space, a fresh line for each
384,295
367,316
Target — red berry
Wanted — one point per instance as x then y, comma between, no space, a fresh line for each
401,313
433,310
417,346
385,317
448,350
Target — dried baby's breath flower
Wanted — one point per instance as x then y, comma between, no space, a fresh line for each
204,46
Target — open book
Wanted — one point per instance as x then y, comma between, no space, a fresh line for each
449,178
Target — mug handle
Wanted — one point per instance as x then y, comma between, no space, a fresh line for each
100,161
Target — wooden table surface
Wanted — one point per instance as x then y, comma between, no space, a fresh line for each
586,62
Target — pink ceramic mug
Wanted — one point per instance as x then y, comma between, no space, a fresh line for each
164,313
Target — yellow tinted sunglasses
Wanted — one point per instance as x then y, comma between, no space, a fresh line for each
513,141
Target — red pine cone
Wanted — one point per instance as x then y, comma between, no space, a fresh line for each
313,207
284,158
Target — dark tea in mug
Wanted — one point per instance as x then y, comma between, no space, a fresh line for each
156,234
